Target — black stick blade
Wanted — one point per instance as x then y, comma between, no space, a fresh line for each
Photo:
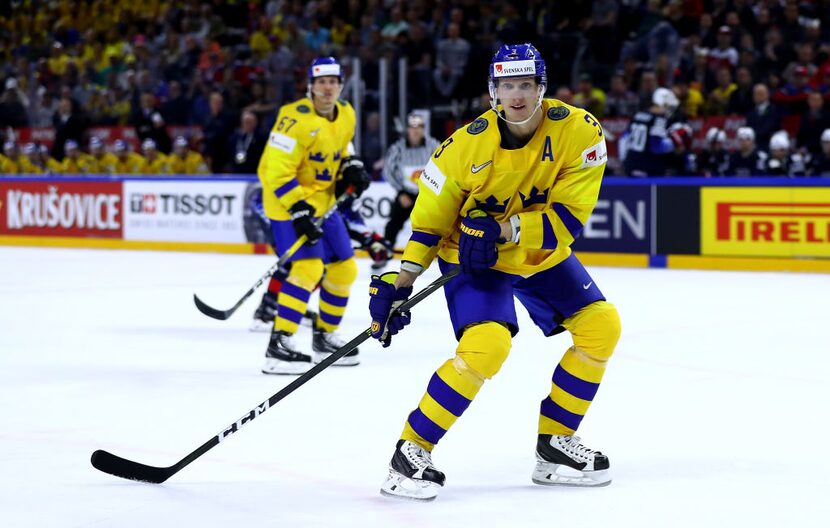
121,467
211,312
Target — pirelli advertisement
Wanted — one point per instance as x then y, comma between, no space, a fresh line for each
769,222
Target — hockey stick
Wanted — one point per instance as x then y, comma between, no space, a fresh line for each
121,467
224,314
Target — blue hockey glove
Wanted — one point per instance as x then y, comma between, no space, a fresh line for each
477,246
384,300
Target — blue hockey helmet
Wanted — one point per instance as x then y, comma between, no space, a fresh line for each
324,67
518,60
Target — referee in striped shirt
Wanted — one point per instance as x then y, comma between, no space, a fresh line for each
402,167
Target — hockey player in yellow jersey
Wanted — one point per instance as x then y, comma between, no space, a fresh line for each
75,161
504,198
127,162
103,162
185,161
30,161
154,161
8,160
307,162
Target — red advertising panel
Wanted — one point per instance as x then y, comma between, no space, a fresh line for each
76,209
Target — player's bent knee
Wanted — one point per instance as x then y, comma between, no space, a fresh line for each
484,347
596,329
306,273
342,272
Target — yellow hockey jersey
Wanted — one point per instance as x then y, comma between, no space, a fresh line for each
84,164
133,164
104,164
551,183
158,165
192,163
7,166
302,157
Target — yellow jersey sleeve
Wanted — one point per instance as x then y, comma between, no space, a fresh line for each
575,191
283,154
436,211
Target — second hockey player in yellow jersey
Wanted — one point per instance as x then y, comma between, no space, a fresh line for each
503,199
306,163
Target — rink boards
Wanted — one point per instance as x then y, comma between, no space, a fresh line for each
743,224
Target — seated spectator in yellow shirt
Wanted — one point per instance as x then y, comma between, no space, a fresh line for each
719,97
127,162
185,161
75,161
154,161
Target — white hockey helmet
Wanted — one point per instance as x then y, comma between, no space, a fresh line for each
665,99
745,133
825,136
780,141
715,135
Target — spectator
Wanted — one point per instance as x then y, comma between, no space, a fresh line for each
813,123
747,160
765,118
176,109
741,101
451,58
246,144
719,97
402,168
217,129
395,26
69,124
820,163
12,111
620,101
590,97
149,124
648,84
691,100
792,97
724,55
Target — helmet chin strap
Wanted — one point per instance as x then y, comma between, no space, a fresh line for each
494,106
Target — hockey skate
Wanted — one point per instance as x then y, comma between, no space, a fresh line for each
283,357
411,474
323,344
266,313
562,460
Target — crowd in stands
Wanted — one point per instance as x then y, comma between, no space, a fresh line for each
223,67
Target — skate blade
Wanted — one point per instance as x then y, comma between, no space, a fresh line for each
345,361
547,474
398,486
261,326
276,366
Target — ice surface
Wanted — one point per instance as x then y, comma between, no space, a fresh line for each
713,410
